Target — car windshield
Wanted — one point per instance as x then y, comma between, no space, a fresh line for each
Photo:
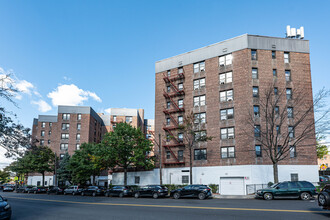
1,199
274,185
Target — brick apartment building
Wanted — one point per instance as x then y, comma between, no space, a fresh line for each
74,125
218,83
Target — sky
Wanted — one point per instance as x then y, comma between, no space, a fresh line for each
103,53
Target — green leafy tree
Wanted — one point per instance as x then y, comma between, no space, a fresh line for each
126,147
64,174
4,176
85,163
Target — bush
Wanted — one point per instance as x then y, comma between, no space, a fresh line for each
270,184
214,187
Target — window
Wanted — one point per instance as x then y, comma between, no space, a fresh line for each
294,177
199,83
287,75
168,138
49,133
277,110
225,60
66,116
42,133
180,86
185,179
199,135
278,129
43,124
180,137
291,131
200,154
284,185
168,105
64,146
290,112
254,73
168,72
292,151
257,130
78,137
50,124
168,154
255,91
274,72
273,54
275,91
286,57
226,77
78,117
77,146
180,70
227,133
61,157
78,126
258,151
180,155
129,119
227,152
180,103
256,111
199,67
137,180
64,136
168,88
42,142
226,114
226,96
48,141
253,54
199,100
200,118
180,120
279,150
65,126
168,121
289,93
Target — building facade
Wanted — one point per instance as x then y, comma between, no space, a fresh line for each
220,84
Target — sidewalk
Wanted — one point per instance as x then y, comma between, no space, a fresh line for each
217,196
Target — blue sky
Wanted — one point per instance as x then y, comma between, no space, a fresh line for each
102,53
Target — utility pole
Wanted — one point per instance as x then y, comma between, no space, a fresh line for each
160,160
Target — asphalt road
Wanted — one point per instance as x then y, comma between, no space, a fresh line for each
49,207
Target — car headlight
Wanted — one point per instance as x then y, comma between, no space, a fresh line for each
7,207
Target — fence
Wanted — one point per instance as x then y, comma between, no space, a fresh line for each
252,188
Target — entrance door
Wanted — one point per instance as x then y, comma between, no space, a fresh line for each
232,186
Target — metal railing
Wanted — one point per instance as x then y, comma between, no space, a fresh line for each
252,188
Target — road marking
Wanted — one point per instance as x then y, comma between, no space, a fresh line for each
171,206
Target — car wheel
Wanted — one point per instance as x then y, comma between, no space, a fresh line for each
82,194
106,194
64,193
48,193
322,200
305,196
35,192
28,192
155,195
137,195
268,196
94,194
73,193
121,195
176,196
201,196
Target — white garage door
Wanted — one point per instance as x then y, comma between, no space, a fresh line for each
232,186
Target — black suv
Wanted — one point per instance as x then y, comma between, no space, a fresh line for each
199,191
54,189
120,191
37,189
324,197
93,191
23,189
151,190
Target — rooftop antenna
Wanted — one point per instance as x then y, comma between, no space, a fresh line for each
295,33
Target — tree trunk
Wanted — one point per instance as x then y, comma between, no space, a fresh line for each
93,180
43,179
275,171
190,165
125,176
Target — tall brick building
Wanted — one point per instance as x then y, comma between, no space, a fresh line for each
219,84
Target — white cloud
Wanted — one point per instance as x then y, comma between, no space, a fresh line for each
66,78
42,105
71,95
108,110
24,86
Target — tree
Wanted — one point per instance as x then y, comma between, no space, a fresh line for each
64,174
321,149
85,163
22,167
4,176
284,122
194,132
126,147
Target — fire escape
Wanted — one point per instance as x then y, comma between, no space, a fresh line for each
174,108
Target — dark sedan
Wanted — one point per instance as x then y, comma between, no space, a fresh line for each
93,191
54,190
5,209
37,189
199,191
8,188
154,191
120,191
23,189
324,197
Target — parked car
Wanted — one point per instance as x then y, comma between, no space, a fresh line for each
8,188
23,189
93,191
120,191
288,189
74,190
37,189
199,191
151,190
54,189
323,179
323,197
5,209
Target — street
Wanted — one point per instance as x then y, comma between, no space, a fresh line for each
42,206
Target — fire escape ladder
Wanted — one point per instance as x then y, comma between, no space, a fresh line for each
174,103
175,157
